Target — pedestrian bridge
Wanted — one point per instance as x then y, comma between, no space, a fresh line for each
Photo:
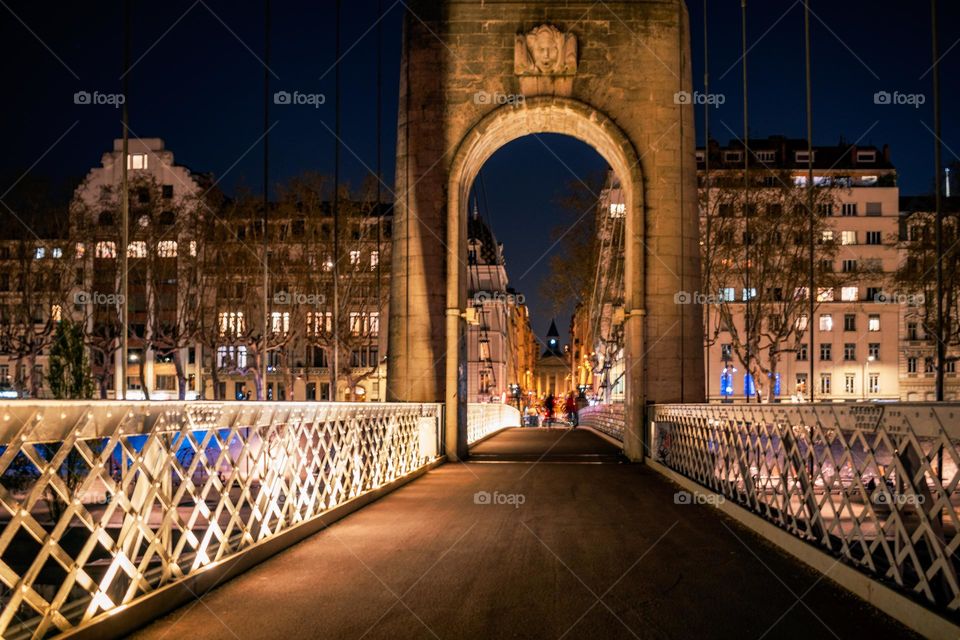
116,513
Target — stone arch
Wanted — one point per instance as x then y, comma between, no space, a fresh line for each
542,114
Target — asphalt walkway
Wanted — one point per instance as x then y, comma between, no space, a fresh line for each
526,550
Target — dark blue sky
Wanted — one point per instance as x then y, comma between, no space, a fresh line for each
197,83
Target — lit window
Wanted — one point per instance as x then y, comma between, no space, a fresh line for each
328,264
57,252
848,237
231,323
137,161
374,259
729,294
106,249
618,209
280,322
137,249
355,257
873,323
827,236
167,248
80,249
39,253
825,295
874,384
826,322
750,294
802,323
319,322
56,313
193,248
849,294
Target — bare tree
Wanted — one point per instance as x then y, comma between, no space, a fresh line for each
756,267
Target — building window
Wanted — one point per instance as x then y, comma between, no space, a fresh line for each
825,209
826,351
849,322
749,294
873,322
137,161
137,249
802,351
850,351
618,209
167,248
873,383
726,382
802,322
928,365
749,388
873,350
280,322
912,333
874,208
873,293
804,157
849,209
231,323
874,237
950,366
825,295
849,294
826,236
866,156
106,249
801,383
732,156
167,191
849,383
911,365
848,237
826,322
726,351
826,387
354,257
166,383
767,156
374,259
849,266
728,294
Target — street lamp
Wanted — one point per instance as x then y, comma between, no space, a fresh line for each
863,385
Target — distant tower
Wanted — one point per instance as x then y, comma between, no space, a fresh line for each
553,370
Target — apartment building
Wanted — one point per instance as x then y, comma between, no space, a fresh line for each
854,337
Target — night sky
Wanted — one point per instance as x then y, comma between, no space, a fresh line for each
197,83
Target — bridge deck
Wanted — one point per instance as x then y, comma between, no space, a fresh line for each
593,551
531,444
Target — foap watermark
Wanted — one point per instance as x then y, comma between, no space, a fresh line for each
485,97
908,299
99,99
497,498
711,99
97,298
696,297
685,497
298,98
897,98
293,297
899,499
481,297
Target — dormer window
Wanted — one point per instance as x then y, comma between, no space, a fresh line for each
137,161
733,156
866,156
767,156
701,155
804,157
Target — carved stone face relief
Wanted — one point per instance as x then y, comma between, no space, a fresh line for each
545,50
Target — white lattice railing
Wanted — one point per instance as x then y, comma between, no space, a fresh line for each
875,484
606,418
484,418
104,502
